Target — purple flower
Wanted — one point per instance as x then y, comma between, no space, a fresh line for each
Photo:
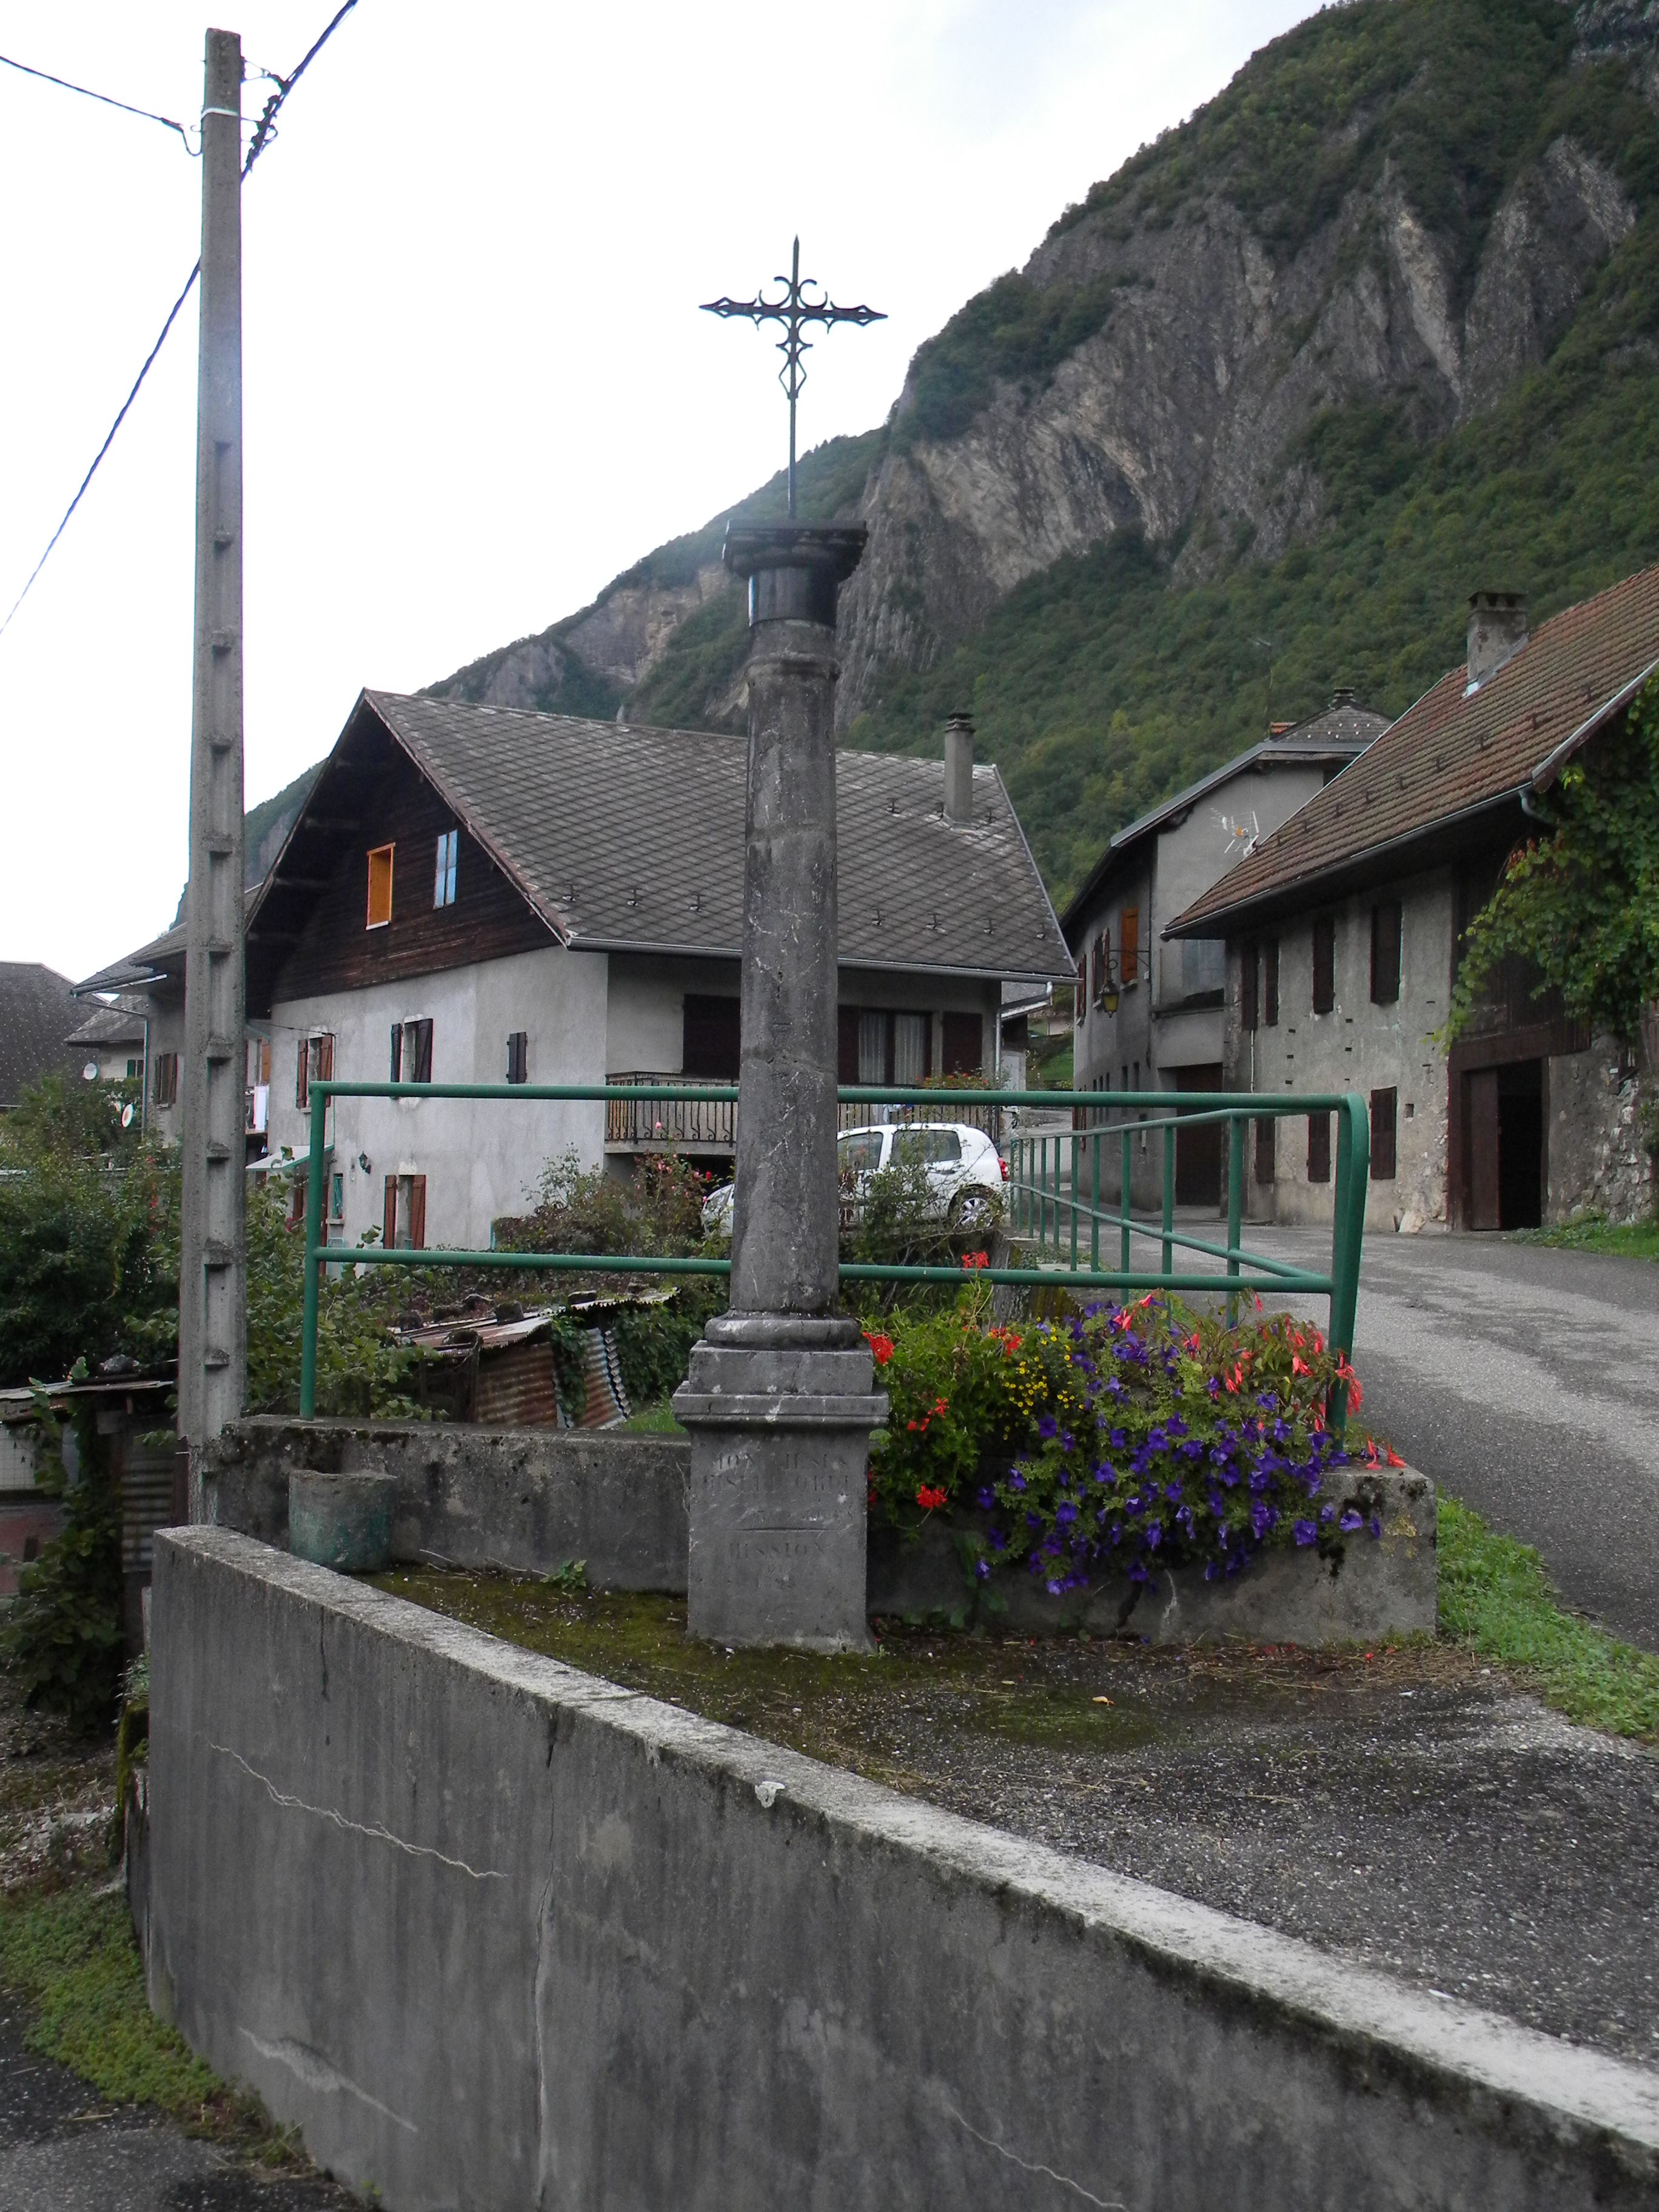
1064,1515
1047,1426
1172,1491
1327,1513
1306,1533
1376,1525
1177,1427
982,1569
1117,1440
1015,1479
1350,1521
987,1499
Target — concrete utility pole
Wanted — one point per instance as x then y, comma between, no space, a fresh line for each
779,1400
213,1267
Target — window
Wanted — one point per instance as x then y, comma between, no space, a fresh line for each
1103,964
518,1056
380,887
337,1198
135,1067
412,1052
314,1063
859,1154
164,1084
1385,952
711,1037
1129,945
1266,1148
1270,984
875,1046
1319,1148
964,1043
1248,969
443,887
928,1148
1324,963
1385,1108
403,1220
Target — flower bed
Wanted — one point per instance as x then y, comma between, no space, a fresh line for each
1131,1438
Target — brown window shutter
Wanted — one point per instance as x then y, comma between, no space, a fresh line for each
423,1052
389,1214
1385,1106
1319,1148
1246,994
1270,984
302,1074
326,1057
397,1052
1324,963
847,1044
1130,931
964,1044
1265,1127
417,1213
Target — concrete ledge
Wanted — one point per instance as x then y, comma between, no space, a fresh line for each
531,1499
492,1932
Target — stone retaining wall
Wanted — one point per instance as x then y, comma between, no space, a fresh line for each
491,1932
531,1499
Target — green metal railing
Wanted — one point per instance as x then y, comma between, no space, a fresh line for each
1045,1172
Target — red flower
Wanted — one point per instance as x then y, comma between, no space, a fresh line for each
880,1347
975,1259
929,1499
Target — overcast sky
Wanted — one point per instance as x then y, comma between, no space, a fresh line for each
477,383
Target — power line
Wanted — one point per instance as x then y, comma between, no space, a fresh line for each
264,131
103,98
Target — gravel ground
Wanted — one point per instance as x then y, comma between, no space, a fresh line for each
1407,1807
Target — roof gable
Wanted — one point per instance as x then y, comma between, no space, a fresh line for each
1456,754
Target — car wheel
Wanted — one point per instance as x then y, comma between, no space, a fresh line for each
974,1209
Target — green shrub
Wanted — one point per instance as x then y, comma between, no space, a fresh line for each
65,1637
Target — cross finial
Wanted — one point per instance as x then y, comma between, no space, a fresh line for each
794,310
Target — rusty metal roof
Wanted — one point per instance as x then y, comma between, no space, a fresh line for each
1454,753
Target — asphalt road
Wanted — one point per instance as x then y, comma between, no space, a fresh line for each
1525,1380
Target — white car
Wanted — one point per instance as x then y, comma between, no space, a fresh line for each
964,1170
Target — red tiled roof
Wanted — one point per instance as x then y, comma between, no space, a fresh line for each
1450,755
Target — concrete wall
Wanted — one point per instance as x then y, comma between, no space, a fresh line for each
491,1932
480,1160
531,1499
1356,1047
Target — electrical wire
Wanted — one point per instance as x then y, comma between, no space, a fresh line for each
103,98
264,131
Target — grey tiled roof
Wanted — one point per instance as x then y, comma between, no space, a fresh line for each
627,837
37,1012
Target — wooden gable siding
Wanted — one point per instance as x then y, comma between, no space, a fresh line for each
489,920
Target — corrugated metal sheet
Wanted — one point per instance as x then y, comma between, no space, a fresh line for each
146,1505
516,1386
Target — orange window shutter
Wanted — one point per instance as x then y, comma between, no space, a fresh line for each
389,1214
1131,933
325,1058
417,1213
380,887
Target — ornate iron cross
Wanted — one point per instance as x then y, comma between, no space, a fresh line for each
794,310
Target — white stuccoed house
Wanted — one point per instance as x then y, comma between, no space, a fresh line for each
476,894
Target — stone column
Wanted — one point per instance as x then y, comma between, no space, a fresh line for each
779,1400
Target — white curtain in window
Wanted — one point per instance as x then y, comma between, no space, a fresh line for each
909,1048
872,1048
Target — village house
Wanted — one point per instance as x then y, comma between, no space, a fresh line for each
1149,1016
37,1012
1343,930
476,894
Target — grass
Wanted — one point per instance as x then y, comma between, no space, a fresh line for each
655,1419
1495,1600
1590,1232
70,1955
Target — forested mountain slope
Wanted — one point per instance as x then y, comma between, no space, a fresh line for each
1376,327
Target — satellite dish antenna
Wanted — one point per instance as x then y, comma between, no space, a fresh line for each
89,1072
126,1117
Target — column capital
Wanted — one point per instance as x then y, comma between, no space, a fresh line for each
795,569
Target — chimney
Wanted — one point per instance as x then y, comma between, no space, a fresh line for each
1498,630
959,768
1342,697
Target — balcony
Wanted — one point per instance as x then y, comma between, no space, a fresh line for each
707,1127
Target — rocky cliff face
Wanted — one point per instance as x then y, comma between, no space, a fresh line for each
1425,241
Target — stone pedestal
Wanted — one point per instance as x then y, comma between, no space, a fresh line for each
779,1400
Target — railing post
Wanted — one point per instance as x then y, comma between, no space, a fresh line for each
1235,1207
1043,1187
1168,1197
1094,1200
1123,1205
1074,1193
1353,1160
314,1265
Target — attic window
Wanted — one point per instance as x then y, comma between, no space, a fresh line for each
443,887
380,887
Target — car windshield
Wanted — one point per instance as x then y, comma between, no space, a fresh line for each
928,1148
858,1152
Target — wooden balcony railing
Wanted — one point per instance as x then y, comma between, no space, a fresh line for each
647,1125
